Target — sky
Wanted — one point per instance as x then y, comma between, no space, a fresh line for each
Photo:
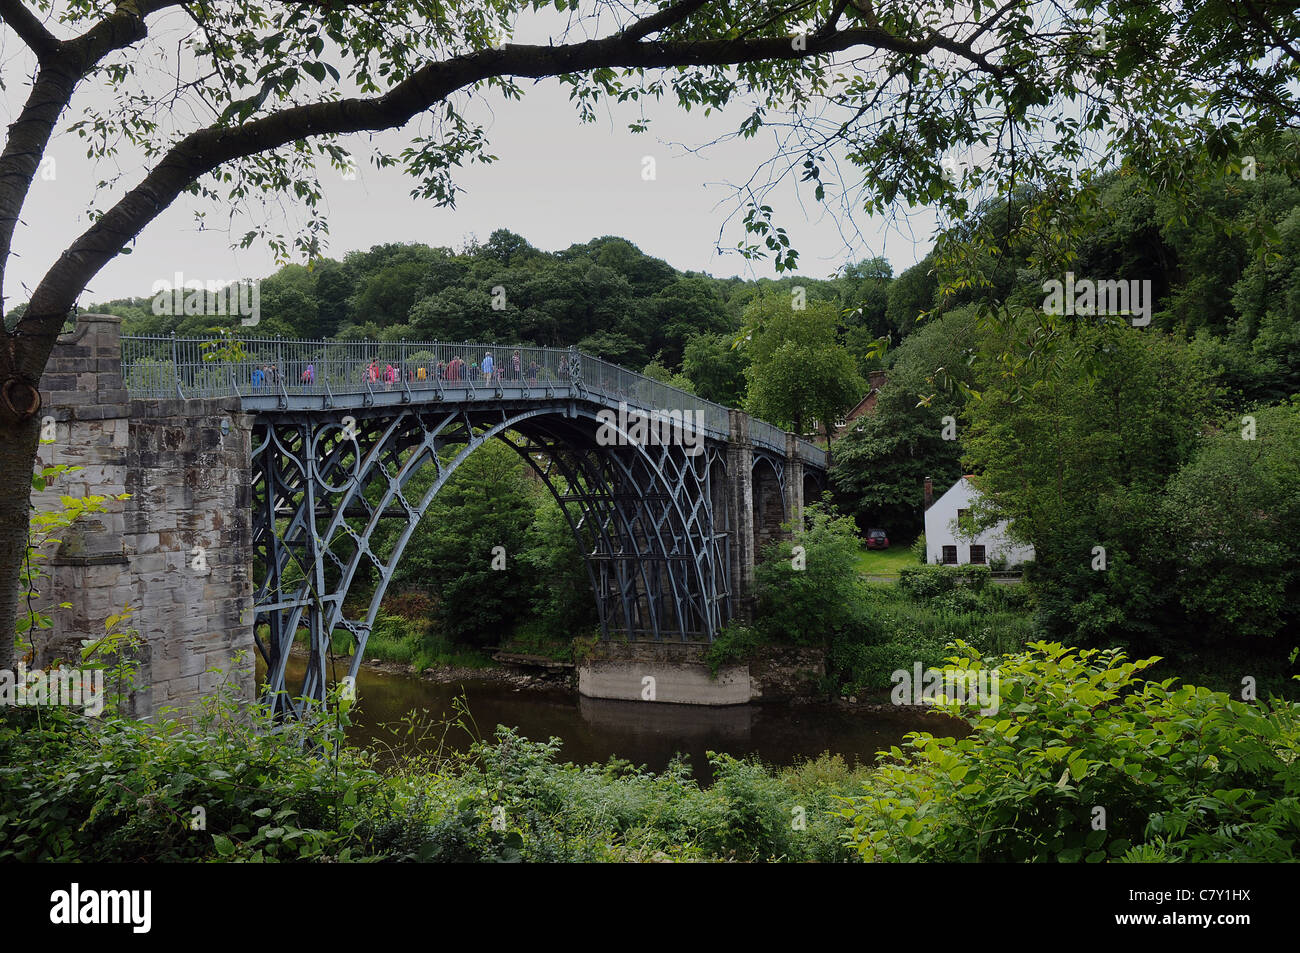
557,182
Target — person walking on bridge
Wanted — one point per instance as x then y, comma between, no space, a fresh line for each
487,367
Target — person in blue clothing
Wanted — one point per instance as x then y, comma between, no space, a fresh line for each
257,378
487,367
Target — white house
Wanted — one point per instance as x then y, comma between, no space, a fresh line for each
943,543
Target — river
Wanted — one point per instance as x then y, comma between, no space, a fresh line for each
595,729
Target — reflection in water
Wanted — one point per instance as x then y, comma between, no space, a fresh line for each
596,729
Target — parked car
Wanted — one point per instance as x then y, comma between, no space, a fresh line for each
877,539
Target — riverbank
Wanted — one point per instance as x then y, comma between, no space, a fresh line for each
544,680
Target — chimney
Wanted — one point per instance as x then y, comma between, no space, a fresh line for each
876,379
929,492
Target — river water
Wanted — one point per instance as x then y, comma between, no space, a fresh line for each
595,729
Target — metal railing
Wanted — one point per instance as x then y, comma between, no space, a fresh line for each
166,366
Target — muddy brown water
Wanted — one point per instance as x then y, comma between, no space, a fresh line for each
593,730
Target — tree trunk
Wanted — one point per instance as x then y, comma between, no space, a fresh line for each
18,443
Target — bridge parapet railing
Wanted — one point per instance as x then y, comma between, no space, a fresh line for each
619,385
766,435
811,453
166,366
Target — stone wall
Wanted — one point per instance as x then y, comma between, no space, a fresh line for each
769,508
178,552
781,673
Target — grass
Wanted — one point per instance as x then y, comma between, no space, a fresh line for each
395,639
886,562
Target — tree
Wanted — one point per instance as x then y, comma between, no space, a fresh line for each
806,595
1077,455
658,372
453,554
271,73
910,296
562,603
684,307
798,373
880,465
1225,546
716,368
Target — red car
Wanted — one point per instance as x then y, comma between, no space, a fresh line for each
877,539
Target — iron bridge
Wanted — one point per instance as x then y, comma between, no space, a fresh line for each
341,429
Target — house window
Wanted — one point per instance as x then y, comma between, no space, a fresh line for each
977,555
950,555
962,517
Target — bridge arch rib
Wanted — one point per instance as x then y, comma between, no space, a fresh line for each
645,516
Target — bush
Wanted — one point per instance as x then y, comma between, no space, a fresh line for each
807,594
736,643
1183,774
925,582
899,630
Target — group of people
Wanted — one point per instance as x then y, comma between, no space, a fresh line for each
455,371
267,374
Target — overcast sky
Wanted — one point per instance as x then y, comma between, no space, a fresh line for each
557,182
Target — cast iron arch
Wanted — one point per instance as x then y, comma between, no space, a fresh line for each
644,518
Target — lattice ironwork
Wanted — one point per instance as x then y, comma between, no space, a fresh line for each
652,521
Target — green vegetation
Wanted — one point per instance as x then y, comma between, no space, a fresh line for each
871,630
886,562
224,788
798,373
1084,760
1181,773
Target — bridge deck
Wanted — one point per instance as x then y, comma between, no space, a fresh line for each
277,375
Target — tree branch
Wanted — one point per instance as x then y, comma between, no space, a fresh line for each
203,151
661,20
61,69
29,29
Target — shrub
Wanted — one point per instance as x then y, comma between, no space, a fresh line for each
110,789
805,596
925,582
1182,774
736,643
